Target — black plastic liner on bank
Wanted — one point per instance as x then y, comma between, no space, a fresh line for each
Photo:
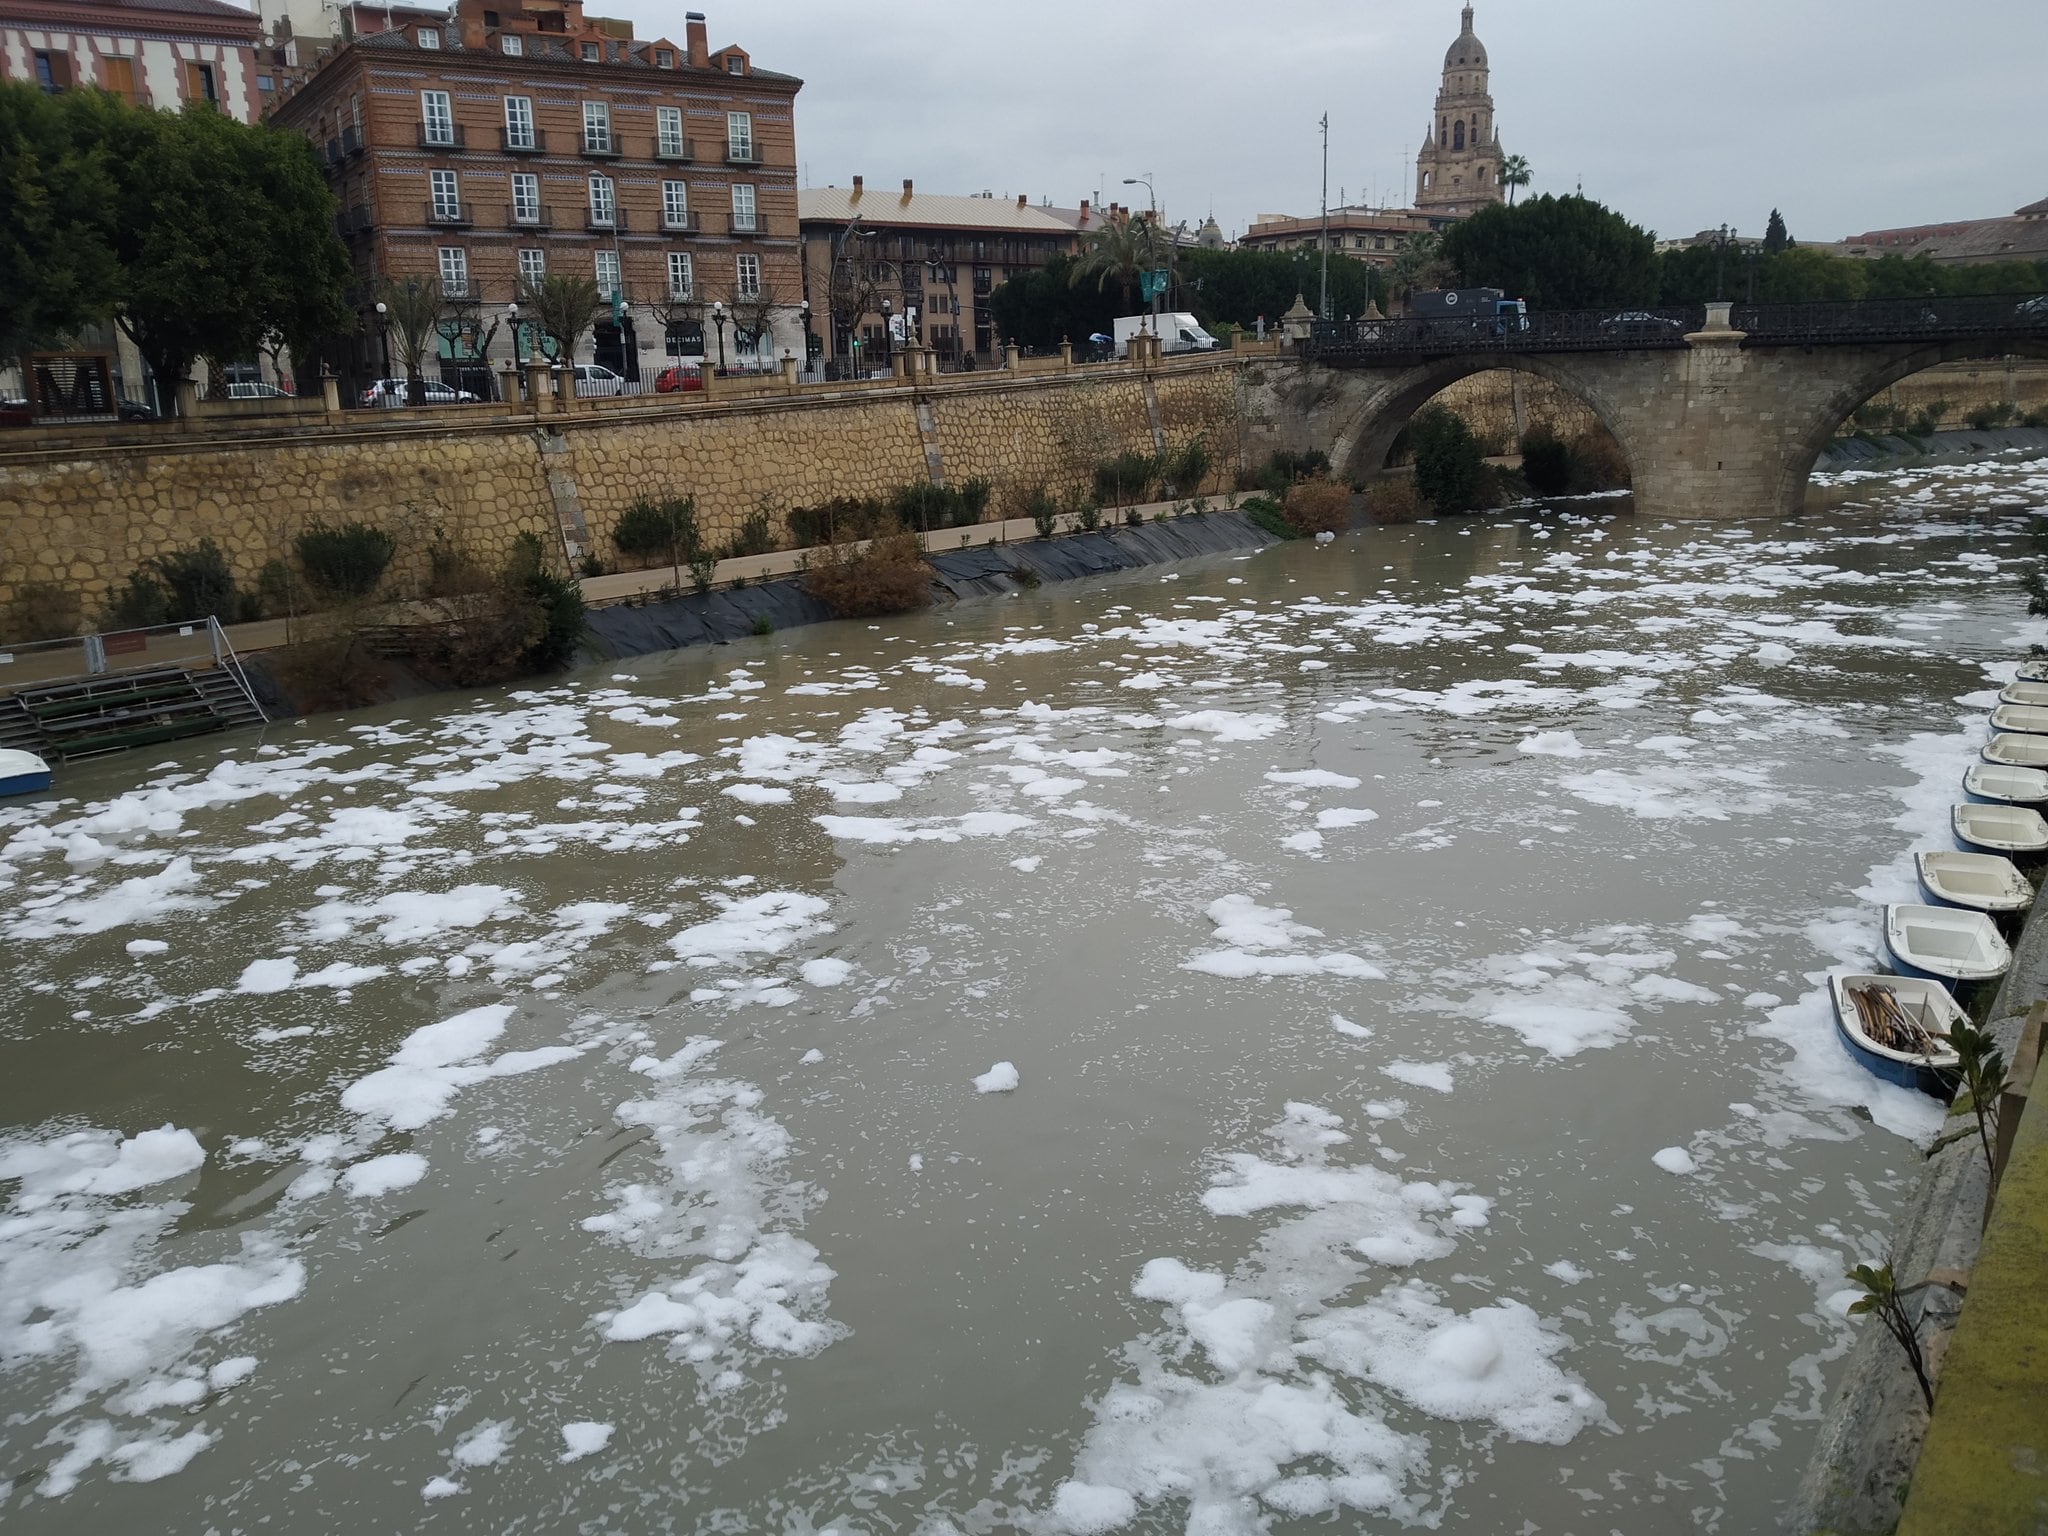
711,618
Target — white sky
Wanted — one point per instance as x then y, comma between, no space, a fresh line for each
1847,114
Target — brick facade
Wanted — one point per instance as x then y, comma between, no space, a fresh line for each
554,140
160,54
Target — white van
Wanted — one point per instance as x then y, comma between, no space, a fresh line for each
1177,330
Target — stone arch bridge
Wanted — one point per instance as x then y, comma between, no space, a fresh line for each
1721,412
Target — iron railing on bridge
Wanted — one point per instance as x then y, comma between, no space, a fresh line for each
1417,337
1879,320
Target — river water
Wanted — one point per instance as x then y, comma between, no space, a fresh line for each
1324,1037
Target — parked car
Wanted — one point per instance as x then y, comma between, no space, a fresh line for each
596,379
15,413
253,389
679,377
2034,310
390,394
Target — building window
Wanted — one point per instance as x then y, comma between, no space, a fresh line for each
525,198
447,195
429,37
46,71
675,204
742,208
519,122
117,74
533,266
668,131
602,203
592,53
664,58
512,44
735,65
454,272
748,283
984,281
739,135
437,117
199,84
680,278
597,126
266,83
608,273
1458,135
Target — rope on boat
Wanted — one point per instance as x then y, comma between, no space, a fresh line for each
1887,1023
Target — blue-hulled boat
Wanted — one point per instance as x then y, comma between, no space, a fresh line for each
1899,1008
2011,830
1944,944
2017,751
22,773
1981,882
2005,784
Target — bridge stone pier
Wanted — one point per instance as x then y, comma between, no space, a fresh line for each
1716,421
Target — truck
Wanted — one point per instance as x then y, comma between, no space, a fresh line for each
1477,311
1177,330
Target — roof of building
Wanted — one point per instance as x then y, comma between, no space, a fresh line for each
2021,236
1467,50
213,10
925,210
637,53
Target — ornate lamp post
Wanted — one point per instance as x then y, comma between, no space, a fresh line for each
718,324
888,339
384,334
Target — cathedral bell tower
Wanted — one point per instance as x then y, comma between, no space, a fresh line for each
1457,170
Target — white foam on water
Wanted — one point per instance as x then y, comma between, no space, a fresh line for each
1433,1075
1251,933
386,1175
437,1061
715,1220
585,1437
1000,1078
1674,1160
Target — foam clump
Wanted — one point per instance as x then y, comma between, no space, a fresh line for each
1000,1078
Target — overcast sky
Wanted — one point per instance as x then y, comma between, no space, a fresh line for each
1847,114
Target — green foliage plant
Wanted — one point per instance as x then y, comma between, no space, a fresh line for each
1264,512
1546,462
40,610
1883,1297
1044,512
1450,472
345,562
197,583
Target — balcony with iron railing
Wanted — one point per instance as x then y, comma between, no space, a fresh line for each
682,221
451,215
354,220
443,136
608,221
741,152
677,151
534,217
352,140
600,146
534,141
743,224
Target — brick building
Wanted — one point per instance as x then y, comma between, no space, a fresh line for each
933,259
523,138
1372,235
157,53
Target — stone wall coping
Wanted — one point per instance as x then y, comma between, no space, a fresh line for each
25,447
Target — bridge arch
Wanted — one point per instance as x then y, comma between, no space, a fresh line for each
1861,384
1366,436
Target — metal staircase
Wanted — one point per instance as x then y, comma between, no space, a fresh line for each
83,717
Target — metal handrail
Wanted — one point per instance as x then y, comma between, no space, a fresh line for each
1874,320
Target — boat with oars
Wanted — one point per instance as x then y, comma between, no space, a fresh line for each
1898,1027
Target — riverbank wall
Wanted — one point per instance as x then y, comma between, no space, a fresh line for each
1871,1434
83,511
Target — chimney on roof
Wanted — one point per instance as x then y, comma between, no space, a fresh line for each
696,45
472,32
906,189
1021,200
1084,210
856,189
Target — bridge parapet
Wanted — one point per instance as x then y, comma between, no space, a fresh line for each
1393,343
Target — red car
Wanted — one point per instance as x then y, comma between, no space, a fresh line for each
678,377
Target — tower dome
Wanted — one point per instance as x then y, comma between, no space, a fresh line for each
1467,52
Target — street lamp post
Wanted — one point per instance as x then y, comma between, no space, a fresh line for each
888,339
512,316
718,325
1152,213
804,310
384,335
1720,261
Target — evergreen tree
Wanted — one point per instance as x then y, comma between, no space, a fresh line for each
1557,253
1775,237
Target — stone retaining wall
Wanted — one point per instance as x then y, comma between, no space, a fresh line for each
85,512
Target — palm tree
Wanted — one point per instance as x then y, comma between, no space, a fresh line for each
1412,263
1121,249
1515,172
562,309
415,308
